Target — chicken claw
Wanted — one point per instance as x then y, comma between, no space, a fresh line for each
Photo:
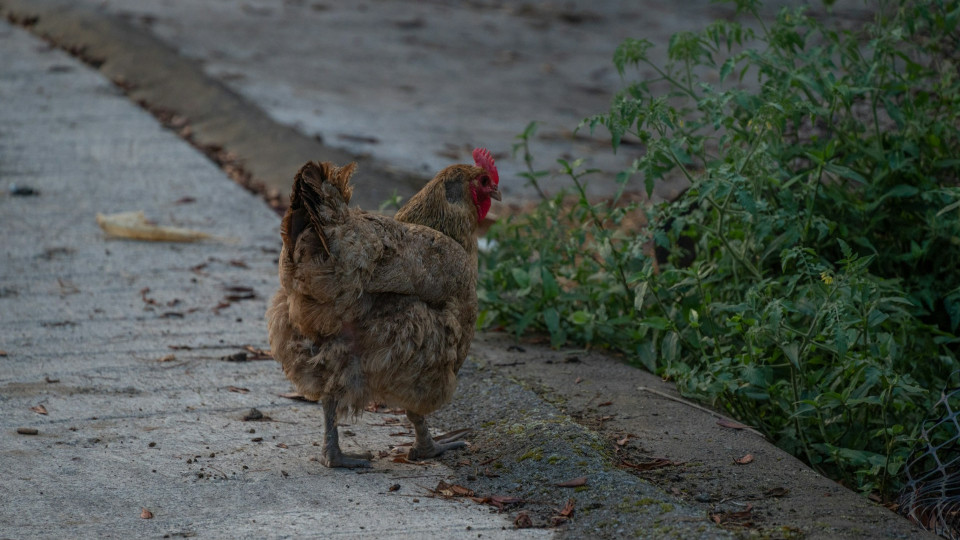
425,446
332,456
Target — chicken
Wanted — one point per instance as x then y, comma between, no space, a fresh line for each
372,308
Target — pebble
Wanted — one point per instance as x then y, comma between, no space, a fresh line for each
27,431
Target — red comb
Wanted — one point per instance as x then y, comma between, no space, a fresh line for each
483,159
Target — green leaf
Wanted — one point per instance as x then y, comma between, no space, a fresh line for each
727,67
657,323
521,277
580,317
552,320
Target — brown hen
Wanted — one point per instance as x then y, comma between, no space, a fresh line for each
372,308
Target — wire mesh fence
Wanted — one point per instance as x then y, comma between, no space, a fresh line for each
931,495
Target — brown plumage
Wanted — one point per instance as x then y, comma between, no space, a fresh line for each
378,308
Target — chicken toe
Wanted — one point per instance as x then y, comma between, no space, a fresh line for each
425,446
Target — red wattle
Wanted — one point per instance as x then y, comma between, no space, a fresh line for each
482,202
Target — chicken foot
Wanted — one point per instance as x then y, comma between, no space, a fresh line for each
425,446
331,455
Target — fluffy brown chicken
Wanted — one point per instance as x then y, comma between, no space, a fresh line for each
372,308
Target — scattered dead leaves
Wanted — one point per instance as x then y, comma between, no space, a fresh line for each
523,521
744,460
238,389
145,514
39,409
168,358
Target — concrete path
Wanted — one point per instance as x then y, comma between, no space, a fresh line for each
121,343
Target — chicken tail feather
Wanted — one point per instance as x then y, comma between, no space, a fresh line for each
320,195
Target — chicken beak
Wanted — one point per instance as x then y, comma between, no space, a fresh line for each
495,194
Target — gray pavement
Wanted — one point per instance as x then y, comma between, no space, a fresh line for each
123,344
88,325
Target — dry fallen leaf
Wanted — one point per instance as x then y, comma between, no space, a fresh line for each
145,514
498,501
743,518
238,389
39,409
168,358
27,431
257,353
282,445
567,510
523,521
134,225
624,440
776,492
3,352
452,490
576,482
744,460
578,381
605,404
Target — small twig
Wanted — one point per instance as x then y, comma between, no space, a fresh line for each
700,408
489,461
218,470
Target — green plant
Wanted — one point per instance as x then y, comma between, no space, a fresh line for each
822,303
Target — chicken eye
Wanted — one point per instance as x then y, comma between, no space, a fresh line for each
485,181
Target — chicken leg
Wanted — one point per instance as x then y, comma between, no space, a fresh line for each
425,446
331,455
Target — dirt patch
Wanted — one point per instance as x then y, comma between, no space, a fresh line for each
552,471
